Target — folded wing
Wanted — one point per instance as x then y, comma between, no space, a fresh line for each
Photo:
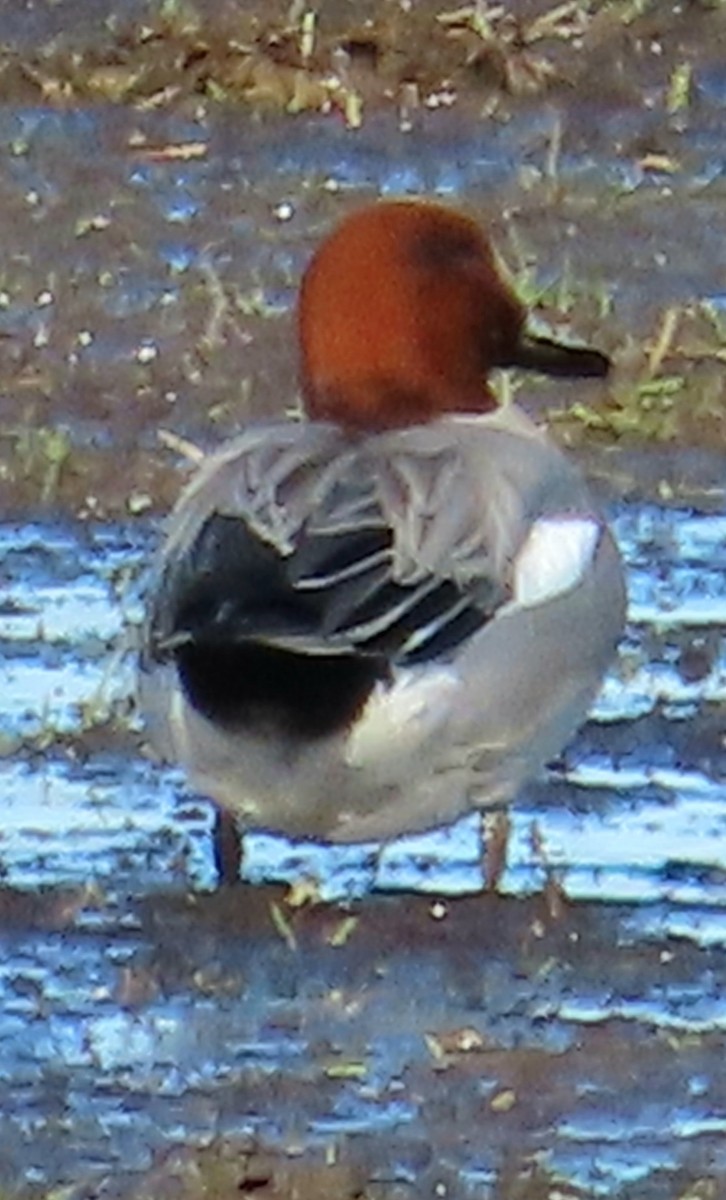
269,609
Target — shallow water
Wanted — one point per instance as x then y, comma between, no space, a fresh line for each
638,793
133,1019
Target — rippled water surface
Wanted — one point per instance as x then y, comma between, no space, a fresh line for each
133,1019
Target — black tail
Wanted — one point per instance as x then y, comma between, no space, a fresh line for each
219,613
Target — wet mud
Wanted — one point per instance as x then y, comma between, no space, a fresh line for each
367,1023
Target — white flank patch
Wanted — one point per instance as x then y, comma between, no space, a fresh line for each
555,558
397,718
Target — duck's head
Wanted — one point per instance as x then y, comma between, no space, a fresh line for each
402,314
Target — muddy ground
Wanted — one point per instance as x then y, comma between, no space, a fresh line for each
165,170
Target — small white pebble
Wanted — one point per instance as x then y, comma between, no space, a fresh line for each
4,300
85,337
138,502
332,185
91,224
146,354
284,211
438,910
32,197
504,1101
41,338
43,299
446,98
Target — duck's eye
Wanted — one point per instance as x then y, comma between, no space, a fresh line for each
444,248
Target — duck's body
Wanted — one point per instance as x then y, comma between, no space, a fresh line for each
364,636
366,625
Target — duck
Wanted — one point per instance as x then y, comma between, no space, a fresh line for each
395,609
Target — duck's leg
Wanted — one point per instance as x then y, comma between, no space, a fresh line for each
227,848
495,829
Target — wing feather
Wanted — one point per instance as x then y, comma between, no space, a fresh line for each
322,545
